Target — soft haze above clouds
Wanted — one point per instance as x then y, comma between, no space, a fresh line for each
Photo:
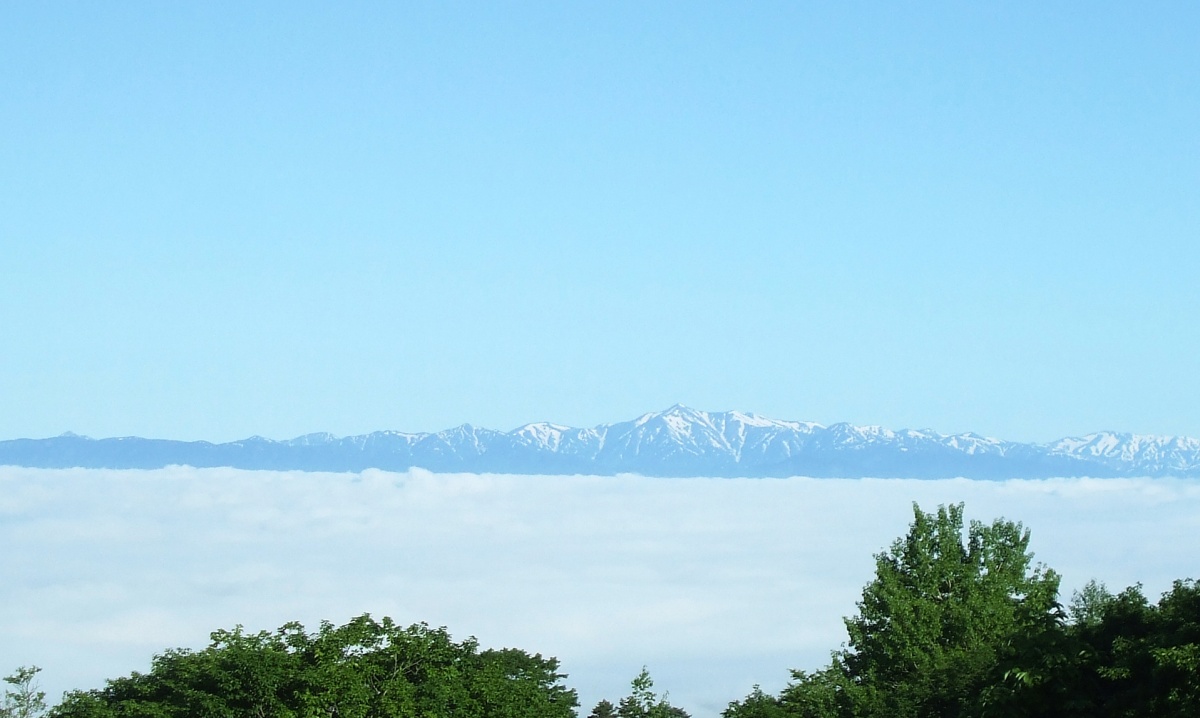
222,219
715,584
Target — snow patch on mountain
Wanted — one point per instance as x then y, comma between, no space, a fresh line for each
678,441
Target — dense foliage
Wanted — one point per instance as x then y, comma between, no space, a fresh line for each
364,668
954,629
957,623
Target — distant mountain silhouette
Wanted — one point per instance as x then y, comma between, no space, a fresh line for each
676,442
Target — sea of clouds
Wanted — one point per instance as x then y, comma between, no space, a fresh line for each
714,584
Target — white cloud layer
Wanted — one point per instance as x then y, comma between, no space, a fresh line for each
715,584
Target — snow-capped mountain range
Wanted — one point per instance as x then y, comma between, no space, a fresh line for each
676,442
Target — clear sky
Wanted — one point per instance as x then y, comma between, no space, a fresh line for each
225,219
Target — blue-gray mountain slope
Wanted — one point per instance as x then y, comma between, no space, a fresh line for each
676,442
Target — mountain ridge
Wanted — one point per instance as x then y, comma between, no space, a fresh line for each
676,442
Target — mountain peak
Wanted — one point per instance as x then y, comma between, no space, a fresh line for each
677,441
682,410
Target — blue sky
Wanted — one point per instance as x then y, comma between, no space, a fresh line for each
219,220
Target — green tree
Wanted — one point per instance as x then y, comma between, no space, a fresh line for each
963,626
24,699
946,619
822,694
755,705
366,668
1088,604
941,615
1137,658
1046,670
643,702
1176,650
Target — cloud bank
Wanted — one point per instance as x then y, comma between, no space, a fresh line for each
715,584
